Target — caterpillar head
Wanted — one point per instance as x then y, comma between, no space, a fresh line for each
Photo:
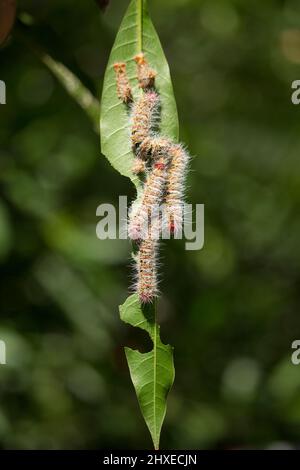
146,75
120,67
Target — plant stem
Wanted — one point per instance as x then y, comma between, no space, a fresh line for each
71,83
74,87
156,445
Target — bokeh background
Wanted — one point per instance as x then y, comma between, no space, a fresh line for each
231,310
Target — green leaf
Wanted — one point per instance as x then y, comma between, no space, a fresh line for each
136,34
152,373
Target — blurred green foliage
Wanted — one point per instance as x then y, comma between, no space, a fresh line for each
231,310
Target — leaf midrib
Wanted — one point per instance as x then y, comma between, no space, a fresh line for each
140,25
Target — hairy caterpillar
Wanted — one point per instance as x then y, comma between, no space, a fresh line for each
123,86
165,164
147,271
151,199
175,187
146,267
146,75
143,118
146,263
143,112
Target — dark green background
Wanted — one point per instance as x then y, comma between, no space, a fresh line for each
231,310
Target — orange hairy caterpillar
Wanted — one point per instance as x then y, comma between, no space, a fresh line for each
146,75
175,187
123,86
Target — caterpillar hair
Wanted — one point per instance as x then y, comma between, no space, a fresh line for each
146,75
176,187
123,86
139,166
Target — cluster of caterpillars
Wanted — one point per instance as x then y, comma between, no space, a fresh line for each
163,164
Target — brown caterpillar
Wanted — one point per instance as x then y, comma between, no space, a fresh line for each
144,111
146,263
146,75
146,268
143,118
150,201
165,164
175,187
123,86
